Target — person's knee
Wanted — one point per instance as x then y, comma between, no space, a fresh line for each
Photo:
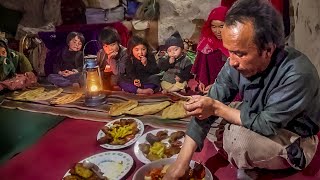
154,79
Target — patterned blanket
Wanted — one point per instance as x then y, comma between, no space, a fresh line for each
78,110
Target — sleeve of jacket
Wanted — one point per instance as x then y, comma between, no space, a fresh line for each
152,66
164,64
130,69
24,63
79,61
285,102
185,72
222,90
198,130
100,58
6,68
118,65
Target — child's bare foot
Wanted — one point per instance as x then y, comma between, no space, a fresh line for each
164,91
145,91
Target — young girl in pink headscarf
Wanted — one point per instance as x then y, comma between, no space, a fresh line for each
211,55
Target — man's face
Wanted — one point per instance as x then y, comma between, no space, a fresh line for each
139,51
174,51
244,54
111,48
75,44
3,52
216,27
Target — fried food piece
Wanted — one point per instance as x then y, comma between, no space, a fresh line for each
176,135
144,148
120,108
72,177
120,132
82,171
172,151
162,135
68,98
152,138
175,111
148,109
107,139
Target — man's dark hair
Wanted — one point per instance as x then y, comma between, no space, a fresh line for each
267,22
134,41
72,35
108,36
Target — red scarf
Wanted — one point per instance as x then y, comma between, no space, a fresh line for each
208,41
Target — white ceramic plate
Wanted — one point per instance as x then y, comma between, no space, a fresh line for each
142,171
110,146
142,140
114,164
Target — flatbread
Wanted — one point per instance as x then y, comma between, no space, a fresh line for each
118,109
68,98
38,94
148,109
175,111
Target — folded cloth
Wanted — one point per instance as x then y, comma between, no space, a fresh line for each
19,81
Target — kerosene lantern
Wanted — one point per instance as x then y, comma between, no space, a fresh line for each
93,83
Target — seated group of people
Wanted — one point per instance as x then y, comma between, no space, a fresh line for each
135,69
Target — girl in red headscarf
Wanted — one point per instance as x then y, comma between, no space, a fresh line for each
211,55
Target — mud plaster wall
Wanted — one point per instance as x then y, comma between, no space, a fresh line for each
186,16
306,34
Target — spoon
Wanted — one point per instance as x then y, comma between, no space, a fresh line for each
93,167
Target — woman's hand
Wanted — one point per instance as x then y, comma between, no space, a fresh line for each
206,90
201,87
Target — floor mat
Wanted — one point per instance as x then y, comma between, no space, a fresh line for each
78,110
20,129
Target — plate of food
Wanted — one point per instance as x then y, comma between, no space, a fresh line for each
158,144
112,165
120,133
157,169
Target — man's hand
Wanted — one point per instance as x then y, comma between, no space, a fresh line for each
176,171
171,60
201,107
181,165
137,82
112,55
143,60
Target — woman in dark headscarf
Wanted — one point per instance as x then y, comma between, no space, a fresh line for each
211,55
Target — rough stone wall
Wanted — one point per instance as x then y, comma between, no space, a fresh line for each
306,34
183,16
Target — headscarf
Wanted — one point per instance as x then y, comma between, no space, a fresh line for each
208,41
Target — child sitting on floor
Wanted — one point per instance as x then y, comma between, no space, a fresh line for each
141,69
176,65
111,57
68,62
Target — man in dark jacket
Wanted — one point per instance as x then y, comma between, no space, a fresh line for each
275,126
